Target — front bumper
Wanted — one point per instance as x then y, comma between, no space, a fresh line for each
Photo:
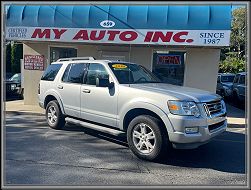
208,129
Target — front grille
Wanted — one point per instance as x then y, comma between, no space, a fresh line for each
215,126
213,107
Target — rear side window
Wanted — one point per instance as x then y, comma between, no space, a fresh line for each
242,79
74,73
51,72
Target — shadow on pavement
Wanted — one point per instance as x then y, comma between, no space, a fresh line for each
225,153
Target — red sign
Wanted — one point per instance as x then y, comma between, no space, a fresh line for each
169,59
34,62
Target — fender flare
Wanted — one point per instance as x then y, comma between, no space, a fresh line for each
145,105
58,98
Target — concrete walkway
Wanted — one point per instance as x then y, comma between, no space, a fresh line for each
235,116
19,106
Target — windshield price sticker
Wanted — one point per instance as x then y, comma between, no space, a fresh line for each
119,66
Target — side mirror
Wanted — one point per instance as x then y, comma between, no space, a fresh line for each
104,83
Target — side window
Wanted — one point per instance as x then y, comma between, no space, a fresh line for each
236,79
95,70
51,72
66,73
242,79
74,73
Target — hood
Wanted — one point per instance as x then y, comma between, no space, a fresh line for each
227,84
178,92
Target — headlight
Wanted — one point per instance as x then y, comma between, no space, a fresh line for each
13,86
183,108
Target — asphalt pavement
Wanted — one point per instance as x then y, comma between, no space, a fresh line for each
76,156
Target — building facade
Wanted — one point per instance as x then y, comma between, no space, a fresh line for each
180,44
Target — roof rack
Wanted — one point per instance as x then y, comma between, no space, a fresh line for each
75,58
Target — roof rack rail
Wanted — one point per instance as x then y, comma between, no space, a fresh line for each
75,58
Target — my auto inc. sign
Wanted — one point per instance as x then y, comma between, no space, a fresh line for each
121,36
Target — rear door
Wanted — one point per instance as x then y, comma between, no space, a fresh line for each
69,88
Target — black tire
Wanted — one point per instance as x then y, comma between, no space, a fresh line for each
59,122
160,142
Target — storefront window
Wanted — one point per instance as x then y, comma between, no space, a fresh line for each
59,52
169,66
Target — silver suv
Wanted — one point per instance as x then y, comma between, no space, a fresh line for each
122,97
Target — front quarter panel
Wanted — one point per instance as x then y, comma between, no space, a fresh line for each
131,99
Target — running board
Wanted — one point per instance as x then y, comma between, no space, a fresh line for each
95,127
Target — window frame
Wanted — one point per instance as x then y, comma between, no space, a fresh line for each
70,65
55,74
87,71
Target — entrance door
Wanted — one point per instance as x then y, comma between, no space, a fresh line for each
61,52
98,104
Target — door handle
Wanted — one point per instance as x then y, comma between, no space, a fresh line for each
86,91
60,87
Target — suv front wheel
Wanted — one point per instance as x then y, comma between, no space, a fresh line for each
54,116
146,138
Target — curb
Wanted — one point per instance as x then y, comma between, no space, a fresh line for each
24,113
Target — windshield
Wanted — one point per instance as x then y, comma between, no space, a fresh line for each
229,78
16,77
127,73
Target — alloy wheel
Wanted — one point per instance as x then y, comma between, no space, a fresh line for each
144,138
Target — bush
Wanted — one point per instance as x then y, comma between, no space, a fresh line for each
232,64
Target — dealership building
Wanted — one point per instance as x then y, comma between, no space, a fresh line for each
180,44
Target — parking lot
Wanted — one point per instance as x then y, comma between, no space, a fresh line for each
38,155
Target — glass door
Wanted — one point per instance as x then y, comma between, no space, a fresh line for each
61,52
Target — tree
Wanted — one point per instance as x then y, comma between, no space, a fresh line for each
232,59
238,32
16,55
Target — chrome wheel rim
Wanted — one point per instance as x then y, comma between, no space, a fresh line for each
144,138
52,115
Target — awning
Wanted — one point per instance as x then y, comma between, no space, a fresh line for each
133,24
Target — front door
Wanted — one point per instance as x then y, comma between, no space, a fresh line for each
98,104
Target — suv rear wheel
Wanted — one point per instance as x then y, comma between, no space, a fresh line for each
145,137
54,116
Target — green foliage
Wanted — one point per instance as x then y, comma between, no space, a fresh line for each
238,31
232,59
16,55
232,64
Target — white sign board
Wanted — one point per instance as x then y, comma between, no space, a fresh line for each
121,36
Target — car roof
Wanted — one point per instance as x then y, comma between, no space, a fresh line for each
92,61
225,74
242,73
